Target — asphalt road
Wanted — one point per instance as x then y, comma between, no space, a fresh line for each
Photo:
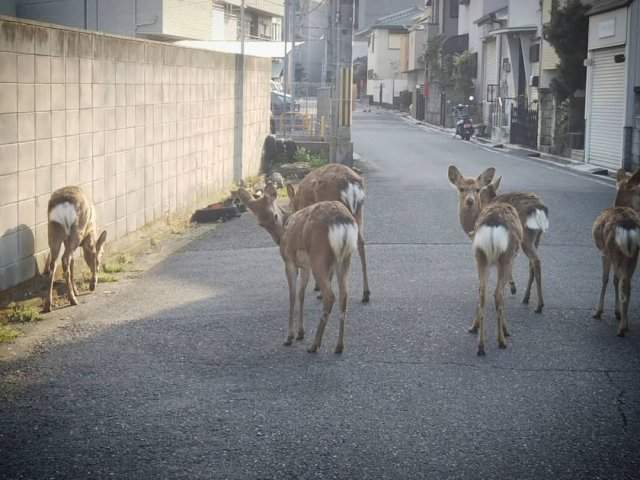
194,381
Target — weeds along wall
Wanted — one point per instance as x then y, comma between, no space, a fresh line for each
146,128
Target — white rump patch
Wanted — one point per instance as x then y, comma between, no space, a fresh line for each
628,240
493,241
343,238
352,197
64,214
538,220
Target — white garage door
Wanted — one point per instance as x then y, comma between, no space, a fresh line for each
607,109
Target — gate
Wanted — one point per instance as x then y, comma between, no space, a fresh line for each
524,126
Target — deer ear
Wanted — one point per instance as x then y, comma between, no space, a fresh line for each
270,191
454,175
244,196
101,241
621,176
291,191
485,177
496,184
634,180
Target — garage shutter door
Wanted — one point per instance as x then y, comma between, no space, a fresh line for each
607,109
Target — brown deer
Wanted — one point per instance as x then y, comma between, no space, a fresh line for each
318,239
72,222
335,182
616,233
497,236
531,210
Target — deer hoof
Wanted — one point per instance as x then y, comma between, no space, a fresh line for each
502,345
313,348
339,349
473,329
621,333
300,335
597,315
506,333
514,290
481,351
288,342
618,315
525,300
539,309
365,296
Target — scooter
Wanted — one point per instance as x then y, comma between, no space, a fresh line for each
464,124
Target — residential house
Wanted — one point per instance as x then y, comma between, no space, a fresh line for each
386,39
163,20
613,85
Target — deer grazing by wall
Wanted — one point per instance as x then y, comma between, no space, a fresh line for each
531,210
497,236
335,182
616,233
318,239
72,223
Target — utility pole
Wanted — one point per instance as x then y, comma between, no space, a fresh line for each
239,114
341,14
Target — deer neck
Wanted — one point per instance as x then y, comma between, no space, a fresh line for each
468,217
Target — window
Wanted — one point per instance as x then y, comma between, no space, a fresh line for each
454,7
534,53
395,41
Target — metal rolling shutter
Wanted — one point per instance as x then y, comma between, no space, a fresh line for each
607,109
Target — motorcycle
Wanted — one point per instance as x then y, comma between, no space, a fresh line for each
464,124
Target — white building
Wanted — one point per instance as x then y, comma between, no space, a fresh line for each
613,85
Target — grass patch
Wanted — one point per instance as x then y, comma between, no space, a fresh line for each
107,278
113,268
124,259
314,159
8,334
23,314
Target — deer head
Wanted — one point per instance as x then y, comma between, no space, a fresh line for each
628,194
270,216
469,199
92,251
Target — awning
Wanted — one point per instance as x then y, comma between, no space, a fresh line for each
523,29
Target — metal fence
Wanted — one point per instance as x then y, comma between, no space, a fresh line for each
304,113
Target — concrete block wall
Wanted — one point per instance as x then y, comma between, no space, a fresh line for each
147,129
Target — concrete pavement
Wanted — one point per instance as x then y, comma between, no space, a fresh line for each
193,380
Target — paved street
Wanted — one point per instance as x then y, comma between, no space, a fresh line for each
200,386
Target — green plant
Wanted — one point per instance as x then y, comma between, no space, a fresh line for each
314,159
8,334
568,34
113,268
22,314
463,73
107,278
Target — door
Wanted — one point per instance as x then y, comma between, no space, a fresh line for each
606,118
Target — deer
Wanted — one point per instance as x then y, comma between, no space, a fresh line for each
335,182
616,233
496,238
72,223
533,214
318,239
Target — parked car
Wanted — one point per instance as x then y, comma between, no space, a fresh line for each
278,103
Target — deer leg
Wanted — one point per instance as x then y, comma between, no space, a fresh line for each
292,276
319,297
54,246
478,324
616,286
67,277
527,293
366,293
529,249
328,298
304,280
625,291
504,270
606,268
343,272
73,279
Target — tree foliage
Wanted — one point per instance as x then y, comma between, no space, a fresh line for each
568,33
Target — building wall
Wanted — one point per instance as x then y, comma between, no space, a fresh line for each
384,61
8,7
371,10
147,129
187,19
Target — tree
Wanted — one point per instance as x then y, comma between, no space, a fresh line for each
463,73
568,34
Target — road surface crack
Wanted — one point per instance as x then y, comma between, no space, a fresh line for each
619,400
